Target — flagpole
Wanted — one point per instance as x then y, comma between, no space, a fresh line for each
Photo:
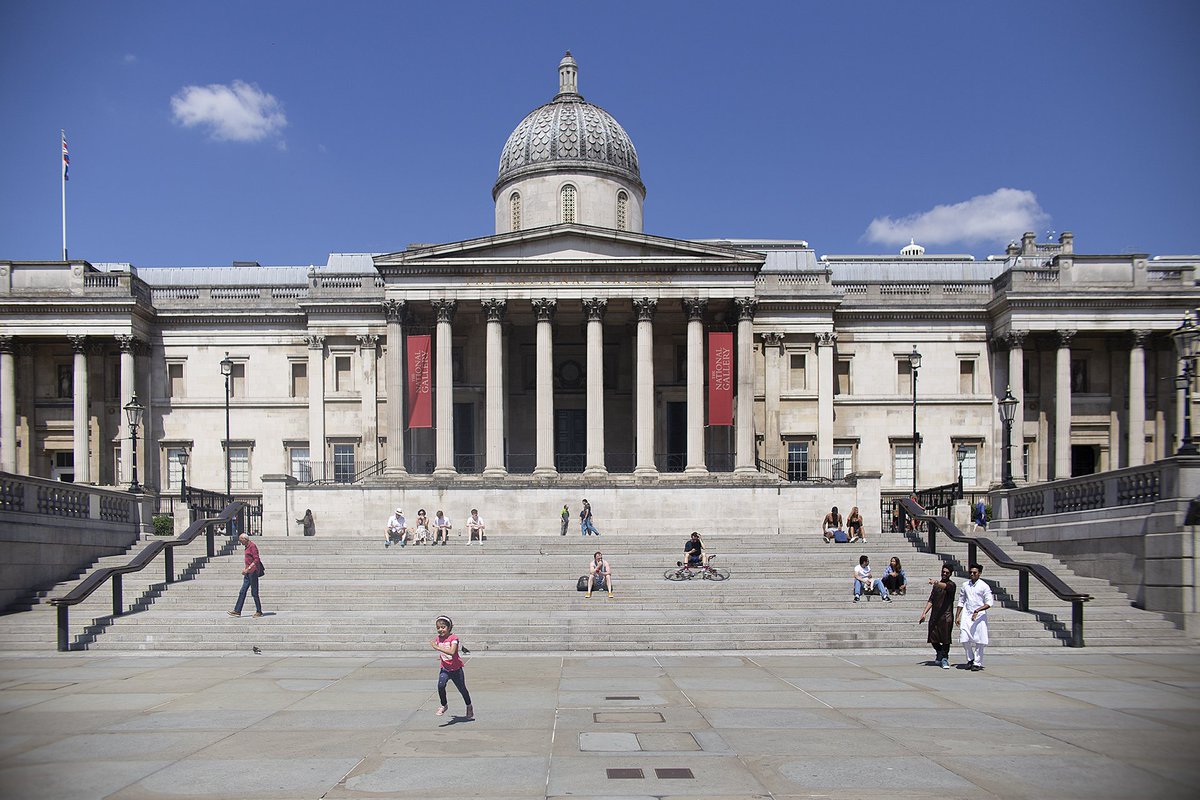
64,195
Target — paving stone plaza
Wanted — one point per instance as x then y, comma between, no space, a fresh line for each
1044,722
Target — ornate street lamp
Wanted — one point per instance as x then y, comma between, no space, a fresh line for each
227,371
182,458
1186,337
914,361
133,415
1008,411
961,453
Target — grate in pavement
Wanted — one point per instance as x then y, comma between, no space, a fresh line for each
622,697
667,773
618,774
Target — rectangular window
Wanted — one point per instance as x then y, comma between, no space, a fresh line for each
797,463
1025,461
798,378
175,380
970,463
299,379
902,464
239,467
174,468
903,376
237,380
966,376
843,460
342,379
343,463
301,464
842,383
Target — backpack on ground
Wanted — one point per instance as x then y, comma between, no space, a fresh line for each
581,584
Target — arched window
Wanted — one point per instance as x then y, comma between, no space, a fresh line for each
622,210
514,204
568,203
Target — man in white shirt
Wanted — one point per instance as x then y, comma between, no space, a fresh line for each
475,526
974,597
397,530
862,578
441,529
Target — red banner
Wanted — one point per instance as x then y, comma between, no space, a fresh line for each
720,378
420,382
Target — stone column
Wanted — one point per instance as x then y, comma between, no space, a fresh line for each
1137,399
694,308
81,417
593,309
544,309
773,350
444,376
826,341
645,306
316,407
8,406
1062,406
367,345
493,309
395,312
1016,382
743,460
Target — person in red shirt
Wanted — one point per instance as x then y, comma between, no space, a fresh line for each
447,645
250,574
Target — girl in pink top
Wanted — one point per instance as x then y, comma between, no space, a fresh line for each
447,645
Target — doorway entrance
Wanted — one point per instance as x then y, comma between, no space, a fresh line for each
1084,458
570,439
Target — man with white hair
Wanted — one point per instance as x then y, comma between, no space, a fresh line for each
397,530
251,572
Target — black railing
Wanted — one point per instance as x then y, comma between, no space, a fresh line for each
940,498
232,517
822,470
1055,584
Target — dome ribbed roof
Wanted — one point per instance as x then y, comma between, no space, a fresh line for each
568,132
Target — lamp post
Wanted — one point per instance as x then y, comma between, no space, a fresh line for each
133,415
1008,410
1186,337
227,371
182,458
914,361
961,454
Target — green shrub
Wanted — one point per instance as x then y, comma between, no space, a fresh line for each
164,525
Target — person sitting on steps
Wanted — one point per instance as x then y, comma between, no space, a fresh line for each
599,572
421,534
863,579
831,527
396,529
854,526
475,527
441,529
694,553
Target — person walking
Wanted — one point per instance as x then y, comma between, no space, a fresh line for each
974,597
566,519
941,623
448,646
251,572
585,519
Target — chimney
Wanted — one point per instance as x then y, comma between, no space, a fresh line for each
1029,243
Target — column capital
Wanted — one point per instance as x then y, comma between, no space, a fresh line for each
746,306
645,307
494,308
1063,337
315,342
124,341
79,342
367,341
695,307
1139,338
8,345
594,308
444,309
544,308
395,311
827,339
1015,340
772,339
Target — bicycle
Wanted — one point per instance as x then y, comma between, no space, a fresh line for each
685,572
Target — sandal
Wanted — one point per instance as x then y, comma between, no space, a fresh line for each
441,710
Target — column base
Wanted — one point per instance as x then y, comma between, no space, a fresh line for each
494,472
444,472
589,472
545,472
695,469
395,471
645,472
745,470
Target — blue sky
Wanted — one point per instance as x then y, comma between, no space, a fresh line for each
203,133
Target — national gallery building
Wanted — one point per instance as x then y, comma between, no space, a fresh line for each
572,348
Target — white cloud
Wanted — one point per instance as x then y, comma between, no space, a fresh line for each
129,59
1000,216
239,112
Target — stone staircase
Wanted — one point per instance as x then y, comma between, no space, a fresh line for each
517,593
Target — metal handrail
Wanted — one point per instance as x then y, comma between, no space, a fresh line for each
993,551
139,562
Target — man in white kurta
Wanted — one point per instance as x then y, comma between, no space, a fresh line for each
974,599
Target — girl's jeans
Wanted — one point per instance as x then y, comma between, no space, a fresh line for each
460,682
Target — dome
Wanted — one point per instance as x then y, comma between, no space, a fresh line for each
568,134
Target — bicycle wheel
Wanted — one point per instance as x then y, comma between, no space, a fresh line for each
675,575
716,574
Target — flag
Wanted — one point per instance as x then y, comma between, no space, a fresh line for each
720,378
420,396
66,158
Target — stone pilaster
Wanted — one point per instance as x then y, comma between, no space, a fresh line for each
543,309
695,308
444,310
645,307
744,461
493,310
594,309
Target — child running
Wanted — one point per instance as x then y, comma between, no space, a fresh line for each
446,643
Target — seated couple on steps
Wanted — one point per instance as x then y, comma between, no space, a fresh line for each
836,529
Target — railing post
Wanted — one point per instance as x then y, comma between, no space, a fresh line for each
1076,623
1023,590
208,535
973,554
169,562
118,598
933,539
64,639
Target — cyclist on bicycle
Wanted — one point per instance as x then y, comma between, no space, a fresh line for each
694,550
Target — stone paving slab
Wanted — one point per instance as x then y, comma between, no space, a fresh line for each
1095,723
